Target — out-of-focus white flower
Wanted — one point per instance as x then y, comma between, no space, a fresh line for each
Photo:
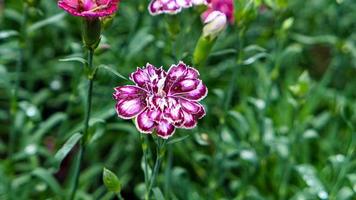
215,22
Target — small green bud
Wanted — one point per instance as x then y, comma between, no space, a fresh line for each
111,182
91,33
202,50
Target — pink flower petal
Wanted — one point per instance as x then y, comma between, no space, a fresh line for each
140,77
89,8
144,123
165,129
128,109
173,115
189,121
197,94
186,85
191,107
176,71
125,92
201,112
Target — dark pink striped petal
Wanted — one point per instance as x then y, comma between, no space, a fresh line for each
197,94
201,113
165,129
128,109
144,123
140,77
189,120
185,85
191,73
89,8
173,114
128,91
176,71
191,107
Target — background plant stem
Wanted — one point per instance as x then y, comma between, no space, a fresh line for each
19,66
86,126
160,151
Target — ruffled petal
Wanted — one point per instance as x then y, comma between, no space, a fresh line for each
144,122
174,115
148,77
201,113
140,77
128,109
191,107
197,94
189,120
176,71
185,85
165,129
128,92
88,8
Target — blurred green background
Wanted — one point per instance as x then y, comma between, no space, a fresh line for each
281,109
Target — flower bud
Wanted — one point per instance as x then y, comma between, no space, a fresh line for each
202,50
215,22
91,32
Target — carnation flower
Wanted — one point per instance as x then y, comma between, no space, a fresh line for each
89,8
224,6
172,6
162,101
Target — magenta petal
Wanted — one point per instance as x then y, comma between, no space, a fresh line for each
165,129
190,106
192,73
189,120
174,114
144,122
186,85
89,8
128,109
176,71
201,112
128,91
197,94
140,77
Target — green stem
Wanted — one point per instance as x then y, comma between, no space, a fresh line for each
168,172
119,196
344,168
144,145
19,66
232,83
86,125
160,151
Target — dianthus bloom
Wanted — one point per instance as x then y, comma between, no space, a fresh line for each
223,6
161,100
89,8
172,6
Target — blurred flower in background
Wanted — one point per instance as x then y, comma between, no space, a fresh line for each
162,101
89,8
157,7
224,6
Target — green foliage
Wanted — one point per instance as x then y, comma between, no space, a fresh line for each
111,181
281,108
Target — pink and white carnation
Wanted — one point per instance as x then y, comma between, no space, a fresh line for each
89,8
162,101
157,7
